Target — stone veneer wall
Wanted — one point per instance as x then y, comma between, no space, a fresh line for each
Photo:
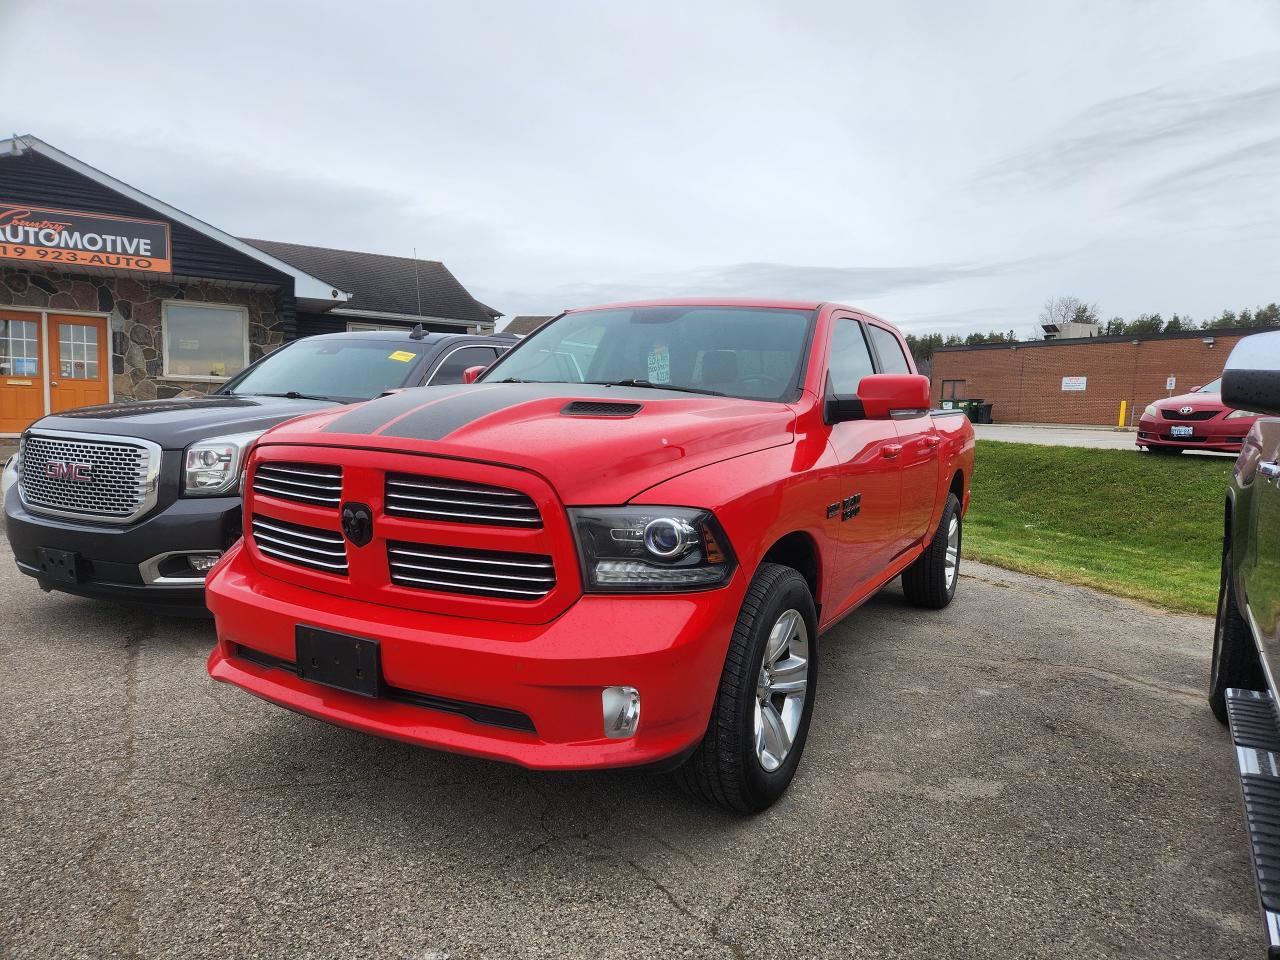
137,363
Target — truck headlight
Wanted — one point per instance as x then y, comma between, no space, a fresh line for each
651,549
214,467
1241,414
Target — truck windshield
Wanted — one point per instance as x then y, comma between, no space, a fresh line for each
341,370
750,352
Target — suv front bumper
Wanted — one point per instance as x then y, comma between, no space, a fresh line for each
113,562
671,648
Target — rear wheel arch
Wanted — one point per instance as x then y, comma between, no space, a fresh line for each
957,486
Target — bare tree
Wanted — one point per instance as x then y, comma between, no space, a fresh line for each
1060,310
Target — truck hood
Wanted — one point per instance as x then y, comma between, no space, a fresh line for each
176,423
593,444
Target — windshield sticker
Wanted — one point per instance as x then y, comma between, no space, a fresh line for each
660,365
404,356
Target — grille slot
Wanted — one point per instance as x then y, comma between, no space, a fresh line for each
600,408
1193,415
315,484
482,573
310,547
109,481
457,501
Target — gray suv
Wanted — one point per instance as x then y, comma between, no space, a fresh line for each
136,501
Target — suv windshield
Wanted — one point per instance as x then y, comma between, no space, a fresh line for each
340,370
749,352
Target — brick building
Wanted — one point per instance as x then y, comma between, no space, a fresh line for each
1080,381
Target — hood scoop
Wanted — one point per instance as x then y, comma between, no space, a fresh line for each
600,408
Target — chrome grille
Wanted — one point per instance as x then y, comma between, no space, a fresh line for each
483,573
458,501
324,550
113,482
316,484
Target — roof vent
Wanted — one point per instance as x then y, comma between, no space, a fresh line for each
600,408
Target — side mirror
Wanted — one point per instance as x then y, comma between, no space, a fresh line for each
470,374
1251,380
879,396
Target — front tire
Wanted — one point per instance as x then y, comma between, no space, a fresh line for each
1235,657
931,581
760,720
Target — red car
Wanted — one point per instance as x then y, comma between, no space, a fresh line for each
1194,421
618,547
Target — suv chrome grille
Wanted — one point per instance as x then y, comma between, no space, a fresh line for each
311,483
324,550
484,573
457,501
108,481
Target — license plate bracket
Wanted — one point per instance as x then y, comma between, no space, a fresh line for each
60,565
338,660
1181,431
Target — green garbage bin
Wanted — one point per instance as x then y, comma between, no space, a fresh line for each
970,408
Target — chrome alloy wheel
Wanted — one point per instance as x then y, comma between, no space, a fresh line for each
781,689
953,549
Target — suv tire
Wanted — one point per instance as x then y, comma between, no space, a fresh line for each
759,712
931,581
1235,658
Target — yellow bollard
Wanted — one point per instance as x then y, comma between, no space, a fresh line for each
1120,423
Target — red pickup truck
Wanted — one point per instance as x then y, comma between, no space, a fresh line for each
619,546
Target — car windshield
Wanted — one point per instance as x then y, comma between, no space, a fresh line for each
342,370
1213,386
750,352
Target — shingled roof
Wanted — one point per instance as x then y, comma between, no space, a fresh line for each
525,324
385,284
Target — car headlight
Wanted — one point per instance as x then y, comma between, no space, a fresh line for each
651,549
214,466
1241,414
10,476
1152,411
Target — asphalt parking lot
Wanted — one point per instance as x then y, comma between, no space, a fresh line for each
1030,773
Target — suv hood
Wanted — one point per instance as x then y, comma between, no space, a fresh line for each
176,423
596,456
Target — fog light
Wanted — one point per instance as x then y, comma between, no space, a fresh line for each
203,562
621,711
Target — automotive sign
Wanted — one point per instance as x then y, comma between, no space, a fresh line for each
1074,383
70,238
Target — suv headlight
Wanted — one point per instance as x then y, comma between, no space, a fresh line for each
10,476
214,466
1241,414
651,549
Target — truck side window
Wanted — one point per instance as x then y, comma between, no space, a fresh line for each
889,350
850,359
456,363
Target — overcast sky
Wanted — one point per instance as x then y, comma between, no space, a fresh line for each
947,165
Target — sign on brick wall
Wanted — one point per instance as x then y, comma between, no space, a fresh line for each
1074,383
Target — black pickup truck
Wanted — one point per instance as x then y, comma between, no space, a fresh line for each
136,501
1246,643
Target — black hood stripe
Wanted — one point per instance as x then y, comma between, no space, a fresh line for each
368,417
436,421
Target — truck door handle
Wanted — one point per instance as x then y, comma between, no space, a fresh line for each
931,440
1269,469
890,451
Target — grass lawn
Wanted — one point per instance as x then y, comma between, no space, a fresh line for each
1125,522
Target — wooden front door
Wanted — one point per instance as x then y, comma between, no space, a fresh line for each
21,370
79,362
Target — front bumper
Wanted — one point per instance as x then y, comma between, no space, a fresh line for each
111,559
669,647
1219,434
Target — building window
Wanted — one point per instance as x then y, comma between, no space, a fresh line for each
19,348
952,389
204,341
